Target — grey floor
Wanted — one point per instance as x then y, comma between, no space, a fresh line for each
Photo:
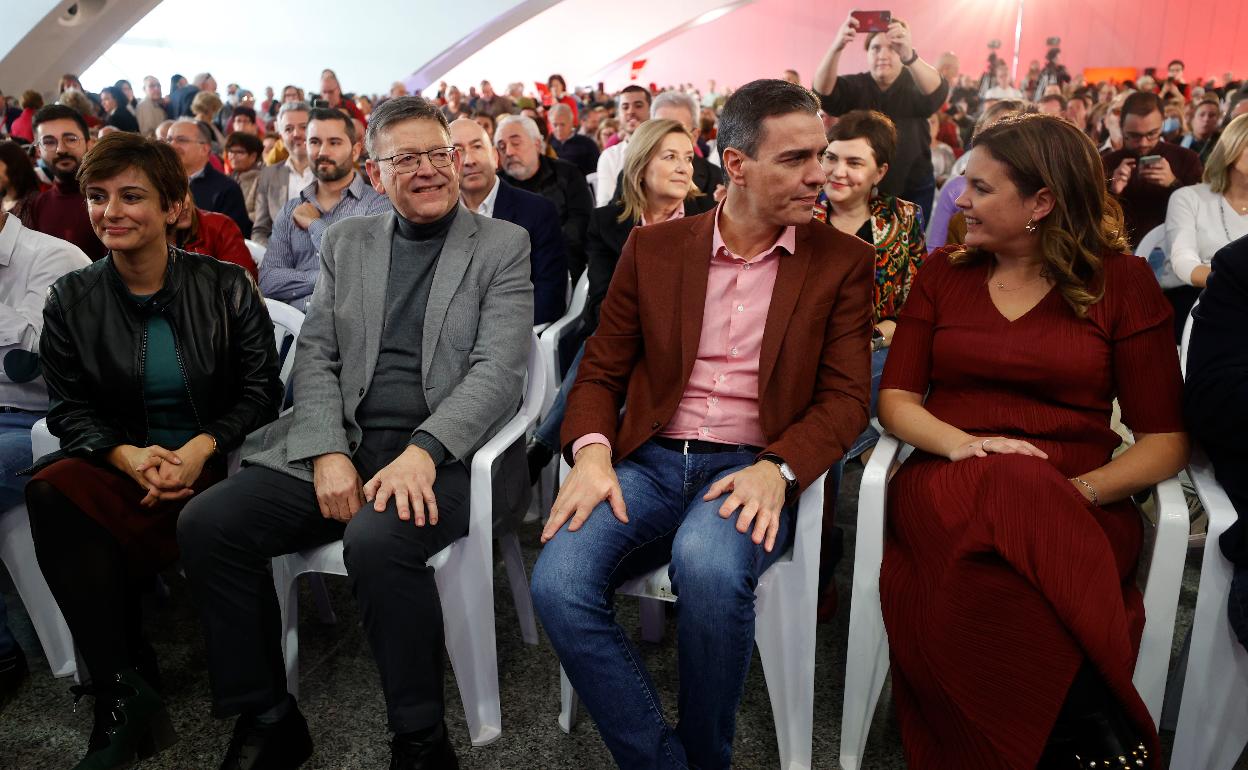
343,703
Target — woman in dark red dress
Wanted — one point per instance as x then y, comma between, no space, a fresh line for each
1008,582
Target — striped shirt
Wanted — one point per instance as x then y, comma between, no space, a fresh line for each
292,262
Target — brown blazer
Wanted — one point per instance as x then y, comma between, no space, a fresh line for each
815,364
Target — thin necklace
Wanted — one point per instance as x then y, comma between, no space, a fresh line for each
1222,214
1044,273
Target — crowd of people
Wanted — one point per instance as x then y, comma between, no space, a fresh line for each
773,275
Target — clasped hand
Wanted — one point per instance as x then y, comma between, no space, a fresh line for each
164,474
408,479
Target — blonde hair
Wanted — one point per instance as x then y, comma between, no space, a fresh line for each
642,148
1232,143
1042,151
206,104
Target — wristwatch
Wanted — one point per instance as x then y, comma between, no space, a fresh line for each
790,478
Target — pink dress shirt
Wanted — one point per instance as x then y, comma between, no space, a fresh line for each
720,402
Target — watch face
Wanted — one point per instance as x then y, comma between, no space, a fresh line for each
787,472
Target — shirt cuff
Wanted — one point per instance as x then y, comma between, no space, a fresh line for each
427,442
586,440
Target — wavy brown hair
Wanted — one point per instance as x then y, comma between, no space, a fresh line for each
1042,151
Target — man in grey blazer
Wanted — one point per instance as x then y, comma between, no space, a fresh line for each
283,181
411,356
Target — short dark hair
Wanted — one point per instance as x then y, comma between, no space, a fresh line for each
249,142
119,96
741,121
1061,100
876,127
122,150
31,100
1176,61
245,111
60,112
18,168
558,77
1142,103
397,110
330,113
631,89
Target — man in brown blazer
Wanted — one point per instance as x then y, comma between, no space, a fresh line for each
737,342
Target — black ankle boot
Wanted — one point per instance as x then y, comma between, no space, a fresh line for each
282,745
131,723
1093,731
412,751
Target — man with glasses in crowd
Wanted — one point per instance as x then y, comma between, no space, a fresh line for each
282,182
1147,170
292,261
61,211
213,191
410,358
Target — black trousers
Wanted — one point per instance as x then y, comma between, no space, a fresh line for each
228,535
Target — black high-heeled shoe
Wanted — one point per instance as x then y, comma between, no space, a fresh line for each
131,722
1092,731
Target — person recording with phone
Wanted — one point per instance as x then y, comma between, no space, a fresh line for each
1144,173
900,84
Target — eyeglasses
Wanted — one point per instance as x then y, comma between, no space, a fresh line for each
1138,137
69,140
183,140
407,162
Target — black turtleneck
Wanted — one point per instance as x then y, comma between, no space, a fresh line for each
395,400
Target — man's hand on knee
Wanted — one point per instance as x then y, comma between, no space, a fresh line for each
337,485
409,480
591,481
759,492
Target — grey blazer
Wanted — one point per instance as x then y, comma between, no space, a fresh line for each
271,195
475,340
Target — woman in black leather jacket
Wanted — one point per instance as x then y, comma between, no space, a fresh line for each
158,362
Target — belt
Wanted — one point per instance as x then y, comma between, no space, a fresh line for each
695,447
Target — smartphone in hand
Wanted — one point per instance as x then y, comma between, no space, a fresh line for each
1149,160
873,21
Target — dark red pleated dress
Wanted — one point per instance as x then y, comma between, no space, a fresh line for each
999,578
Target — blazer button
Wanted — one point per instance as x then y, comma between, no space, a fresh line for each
352,445
361,393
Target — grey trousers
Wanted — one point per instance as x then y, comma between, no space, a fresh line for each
228,535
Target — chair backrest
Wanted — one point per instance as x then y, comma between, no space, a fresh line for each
536,380
592,179
287,322
1187,339
580,294
1152,239
257,251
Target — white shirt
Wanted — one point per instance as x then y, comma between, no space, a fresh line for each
610,164
486,209
1198,223
296,181
30,262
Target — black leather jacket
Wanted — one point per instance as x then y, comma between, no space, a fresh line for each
93,348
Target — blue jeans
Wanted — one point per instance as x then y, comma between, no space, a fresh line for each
714,570
547,433
14,456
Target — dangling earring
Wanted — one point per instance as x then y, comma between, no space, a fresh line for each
1031,226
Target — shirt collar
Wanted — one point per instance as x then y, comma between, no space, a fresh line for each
199,174
786,241
355,190
487,206
677,214
8,239
295,172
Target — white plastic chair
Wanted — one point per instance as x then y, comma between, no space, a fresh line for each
464,572
592,179
1152,239
1213,714
867,650
551,339
784,630
287,322
257,251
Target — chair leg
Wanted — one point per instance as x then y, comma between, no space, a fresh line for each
785,634
288,603
866,668
509,544
466,590
653,619
17,551
320,595
569,703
